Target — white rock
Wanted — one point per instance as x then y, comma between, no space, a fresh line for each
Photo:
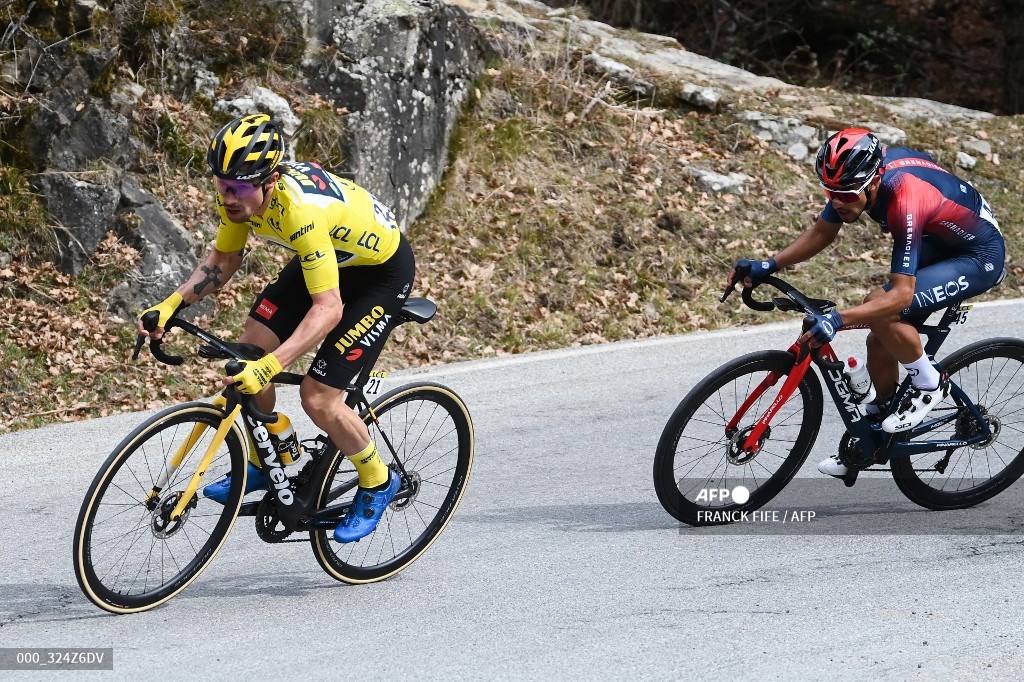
206,83
733,183
609,67
236,107
981,147
797,150
965,160
268,102
701,97
887,134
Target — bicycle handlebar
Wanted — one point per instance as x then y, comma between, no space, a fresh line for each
233,367
797,301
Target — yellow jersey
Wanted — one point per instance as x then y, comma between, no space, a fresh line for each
327,221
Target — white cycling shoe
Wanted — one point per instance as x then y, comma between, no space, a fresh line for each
833,466
915,408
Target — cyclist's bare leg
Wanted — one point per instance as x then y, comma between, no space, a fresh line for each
259,334
326,407
882,367
887,341
890,342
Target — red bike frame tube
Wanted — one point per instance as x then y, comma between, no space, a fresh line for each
796,375
766,383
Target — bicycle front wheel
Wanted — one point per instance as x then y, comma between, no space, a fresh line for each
700,453
991,373
129,553
429,429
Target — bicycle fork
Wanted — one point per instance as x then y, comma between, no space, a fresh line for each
176,459
753,440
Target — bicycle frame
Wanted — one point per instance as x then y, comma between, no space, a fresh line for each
293,508
868,436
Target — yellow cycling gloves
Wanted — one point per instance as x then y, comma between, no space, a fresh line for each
166,308
257,374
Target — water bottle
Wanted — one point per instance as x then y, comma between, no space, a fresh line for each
860,381
284,439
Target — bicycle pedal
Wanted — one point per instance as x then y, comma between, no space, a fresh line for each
850,477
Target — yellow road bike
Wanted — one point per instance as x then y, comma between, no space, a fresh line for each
145,531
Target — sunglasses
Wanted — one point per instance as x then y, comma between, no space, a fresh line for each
845,196
240,188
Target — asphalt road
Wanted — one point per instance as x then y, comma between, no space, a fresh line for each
560,563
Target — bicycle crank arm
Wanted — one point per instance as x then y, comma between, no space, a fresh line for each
248,508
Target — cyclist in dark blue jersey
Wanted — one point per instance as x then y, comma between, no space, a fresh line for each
946,247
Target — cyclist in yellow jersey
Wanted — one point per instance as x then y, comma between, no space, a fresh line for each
352,271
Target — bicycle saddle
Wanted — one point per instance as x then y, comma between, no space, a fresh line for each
418,310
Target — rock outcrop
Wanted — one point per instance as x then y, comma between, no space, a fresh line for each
403,70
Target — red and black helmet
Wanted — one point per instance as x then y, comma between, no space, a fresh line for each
848,159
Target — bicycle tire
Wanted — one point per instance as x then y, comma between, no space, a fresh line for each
991,373
699,424
425,422
118,494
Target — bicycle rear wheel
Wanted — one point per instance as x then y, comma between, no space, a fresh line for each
699,455
991,373
129,555
431,432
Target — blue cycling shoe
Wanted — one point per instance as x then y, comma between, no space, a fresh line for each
366,510
218,490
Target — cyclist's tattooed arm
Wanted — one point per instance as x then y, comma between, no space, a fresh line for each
213,272
212,277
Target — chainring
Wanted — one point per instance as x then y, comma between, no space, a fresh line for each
850,454
269,527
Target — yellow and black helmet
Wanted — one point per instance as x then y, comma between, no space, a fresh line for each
248,148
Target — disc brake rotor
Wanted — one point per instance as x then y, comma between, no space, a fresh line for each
161,523
735,453
415,483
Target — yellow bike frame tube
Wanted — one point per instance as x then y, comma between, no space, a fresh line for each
193,484
175,461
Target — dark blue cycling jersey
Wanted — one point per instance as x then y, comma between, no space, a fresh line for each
919,200
943,230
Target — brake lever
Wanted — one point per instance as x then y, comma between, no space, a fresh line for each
149,323
728,290
233,368
140,341
737,277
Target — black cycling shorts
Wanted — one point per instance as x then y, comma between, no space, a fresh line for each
372,295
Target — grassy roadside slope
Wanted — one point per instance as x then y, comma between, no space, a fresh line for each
560,222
